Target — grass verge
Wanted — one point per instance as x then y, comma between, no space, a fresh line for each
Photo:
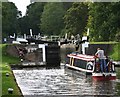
8,82
110,42
116,52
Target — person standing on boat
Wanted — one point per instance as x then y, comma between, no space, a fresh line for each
101,56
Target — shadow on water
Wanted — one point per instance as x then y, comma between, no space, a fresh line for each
117,81
104,88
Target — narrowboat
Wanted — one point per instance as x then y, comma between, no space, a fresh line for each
90,65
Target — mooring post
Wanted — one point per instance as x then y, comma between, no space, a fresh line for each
10,90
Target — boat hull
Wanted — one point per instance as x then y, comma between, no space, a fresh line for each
86,72
104,76
89,64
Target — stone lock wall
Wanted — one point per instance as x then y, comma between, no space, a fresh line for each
33,53
54,52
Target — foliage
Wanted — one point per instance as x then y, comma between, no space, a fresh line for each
116,52
67,5
104,20
10,14
76,18
23,23
52,18
109,42
33,15
0,21
117,36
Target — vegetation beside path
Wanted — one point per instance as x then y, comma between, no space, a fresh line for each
116,52
8,82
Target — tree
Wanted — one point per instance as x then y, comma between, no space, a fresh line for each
24,25
0,22
76,18
104,20
10,14
52,18
33,14
67,5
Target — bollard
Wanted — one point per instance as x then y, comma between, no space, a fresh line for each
21,60
10,90
7,74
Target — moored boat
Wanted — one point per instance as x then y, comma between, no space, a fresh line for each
91,65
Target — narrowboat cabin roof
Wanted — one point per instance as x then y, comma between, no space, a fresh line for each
81,56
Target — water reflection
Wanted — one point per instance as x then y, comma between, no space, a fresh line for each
58,81
104,87
118,81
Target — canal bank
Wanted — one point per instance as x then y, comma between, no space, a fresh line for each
8,79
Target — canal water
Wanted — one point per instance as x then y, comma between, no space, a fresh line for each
60,81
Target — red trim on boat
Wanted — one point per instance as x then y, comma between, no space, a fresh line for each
83,57
104,78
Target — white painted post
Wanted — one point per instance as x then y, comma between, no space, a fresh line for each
31,32
83,49
59,43
14,35
24,36
43,51
84,45
66,36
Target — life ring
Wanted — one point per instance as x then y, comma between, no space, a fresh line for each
89,66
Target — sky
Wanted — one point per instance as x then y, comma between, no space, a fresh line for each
21,5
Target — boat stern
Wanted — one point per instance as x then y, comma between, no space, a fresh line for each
104,76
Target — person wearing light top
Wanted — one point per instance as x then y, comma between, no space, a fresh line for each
101,56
